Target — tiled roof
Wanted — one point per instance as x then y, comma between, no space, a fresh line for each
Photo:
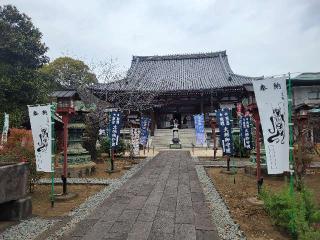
185,72
63,93
308,76
307,79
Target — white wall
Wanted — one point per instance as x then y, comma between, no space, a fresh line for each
302,94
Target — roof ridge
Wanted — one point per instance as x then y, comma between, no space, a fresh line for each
241,75
313,73
179,56
224,68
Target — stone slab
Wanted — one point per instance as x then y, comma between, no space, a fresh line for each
207,235
16,210
140,231
185,232
13,181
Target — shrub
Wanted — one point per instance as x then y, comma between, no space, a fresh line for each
239,150
296,213
91,134
19,148
120,150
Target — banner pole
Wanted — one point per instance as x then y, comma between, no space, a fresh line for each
291,161
53,109
258,156
234,162
229,156
110,137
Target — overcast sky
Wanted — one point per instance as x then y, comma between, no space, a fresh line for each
266,37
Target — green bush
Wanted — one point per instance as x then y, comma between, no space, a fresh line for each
90,137
295,212
239,150
120,150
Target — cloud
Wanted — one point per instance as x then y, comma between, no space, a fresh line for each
261,37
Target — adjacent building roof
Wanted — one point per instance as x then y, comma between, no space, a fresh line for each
184,72
308,78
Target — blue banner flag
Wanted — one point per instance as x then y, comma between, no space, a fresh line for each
144,130
223,119
245,132
114,128
199,126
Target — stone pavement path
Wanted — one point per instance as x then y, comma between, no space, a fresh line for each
164,200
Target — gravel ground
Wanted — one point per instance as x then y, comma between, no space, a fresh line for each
223,163
31,228
27,229
237,163
95,181
227,228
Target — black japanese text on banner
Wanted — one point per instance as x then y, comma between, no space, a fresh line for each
135,137
225,130
40,120
144,130
245,132
272,101
114,128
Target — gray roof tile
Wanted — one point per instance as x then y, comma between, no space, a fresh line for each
185,72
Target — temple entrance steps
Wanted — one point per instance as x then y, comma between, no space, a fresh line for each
162,137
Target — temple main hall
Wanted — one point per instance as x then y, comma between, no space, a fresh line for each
172,88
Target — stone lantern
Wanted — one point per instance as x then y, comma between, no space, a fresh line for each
72,110
65,108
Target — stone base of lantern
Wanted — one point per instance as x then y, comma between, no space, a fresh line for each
65,197
230,172
112,171
175,146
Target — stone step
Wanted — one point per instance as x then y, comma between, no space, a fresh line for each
162,137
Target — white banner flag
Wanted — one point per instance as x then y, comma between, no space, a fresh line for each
40,119
272,101
135,139
4,136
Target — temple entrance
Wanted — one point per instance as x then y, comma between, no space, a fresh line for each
177,117
165,120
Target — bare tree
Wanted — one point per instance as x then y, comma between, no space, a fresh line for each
306,148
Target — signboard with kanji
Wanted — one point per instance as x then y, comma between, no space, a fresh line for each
114,128
224,122
245,132
272,101
144,130
199,126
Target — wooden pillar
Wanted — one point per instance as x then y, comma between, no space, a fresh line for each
214,138
258,154
65,119
153,122
211,101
